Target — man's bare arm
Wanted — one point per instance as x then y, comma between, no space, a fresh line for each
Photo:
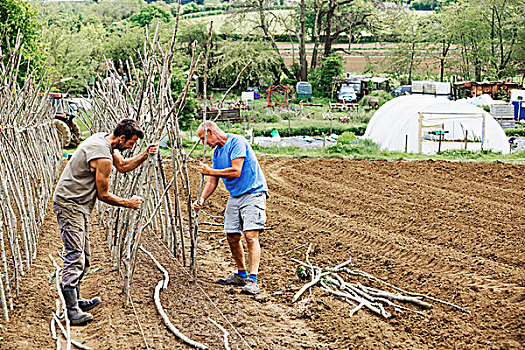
125,165
103,170
229,173
209,188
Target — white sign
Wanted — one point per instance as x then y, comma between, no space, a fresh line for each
248,96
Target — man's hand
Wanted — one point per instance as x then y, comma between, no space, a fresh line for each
205,170
197,205
135,202
152,149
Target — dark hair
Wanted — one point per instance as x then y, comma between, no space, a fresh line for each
128,128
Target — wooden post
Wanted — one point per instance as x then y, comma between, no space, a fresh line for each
483,133
439,145
466,139
406,143
420,140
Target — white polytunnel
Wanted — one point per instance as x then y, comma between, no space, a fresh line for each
427,124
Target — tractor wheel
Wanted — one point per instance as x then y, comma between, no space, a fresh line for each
64,134
76,135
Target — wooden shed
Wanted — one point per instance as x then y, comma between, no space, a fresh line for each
473,89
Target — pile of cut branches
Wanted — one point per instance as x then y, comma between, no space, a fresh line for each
359,295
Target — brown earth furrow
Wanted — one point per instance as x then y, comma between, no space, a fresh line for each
382,174
385,241
375,215
386,208
412,189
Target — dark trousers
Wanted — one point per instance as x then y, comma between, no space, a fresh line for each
73,226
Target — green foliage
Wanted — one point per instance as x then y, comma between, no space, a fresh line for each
332,66
346,138
384,97
424,5
192,8
179,78
410,32
190,33
150,13
501,94
20,15
311,130
466,154
483,56
517,131
73,53
232,56
268,118
123,43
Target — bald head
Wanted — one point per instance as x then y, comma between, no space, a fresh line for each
210,126
215,136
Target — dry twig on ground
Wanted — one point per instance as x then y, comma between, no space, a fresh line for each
329,279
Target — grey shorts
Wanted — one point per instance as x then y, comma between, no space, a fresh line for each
245,213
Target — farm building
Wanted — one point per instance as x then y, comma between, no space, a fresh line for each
473,89
424,124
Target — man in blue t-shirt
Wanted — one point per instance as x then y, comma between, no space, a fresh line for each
234,161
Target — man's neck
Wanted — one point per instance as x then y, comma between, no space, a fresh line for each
112,140
222,139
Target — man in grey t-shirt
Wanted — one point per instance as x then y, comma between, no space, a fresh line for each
84,179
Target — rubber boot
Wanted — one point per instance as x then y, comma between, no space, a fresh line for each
85,304
76,316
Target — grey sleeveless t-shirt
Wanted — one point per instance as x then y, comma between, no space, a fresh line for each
77,187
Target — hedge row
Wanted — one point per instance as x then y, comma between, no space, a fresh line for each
312,131
518,131
206,14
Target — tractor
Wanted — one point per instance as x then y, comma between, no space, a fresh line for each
65,111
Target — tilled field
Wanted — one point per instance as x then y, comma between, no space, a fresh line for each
449,230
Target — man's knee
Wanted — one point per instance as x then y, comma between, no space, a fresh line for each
74,268
251,236
233,238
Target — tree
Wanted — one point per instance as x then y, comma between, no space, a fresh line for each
18,16
112,11
73,53
507,32
316,30
441,35
232,56
302,43
263,24
322,79
190,33
342,16
150,13
408,53
295,23
489,36
334,18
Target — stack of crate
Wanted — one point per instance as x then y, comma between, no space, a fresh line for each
504,114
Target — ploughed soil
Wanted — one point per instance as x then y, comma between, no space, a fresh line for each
448,230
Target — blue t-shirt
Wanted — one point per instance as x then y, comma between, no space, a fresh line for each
252,178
